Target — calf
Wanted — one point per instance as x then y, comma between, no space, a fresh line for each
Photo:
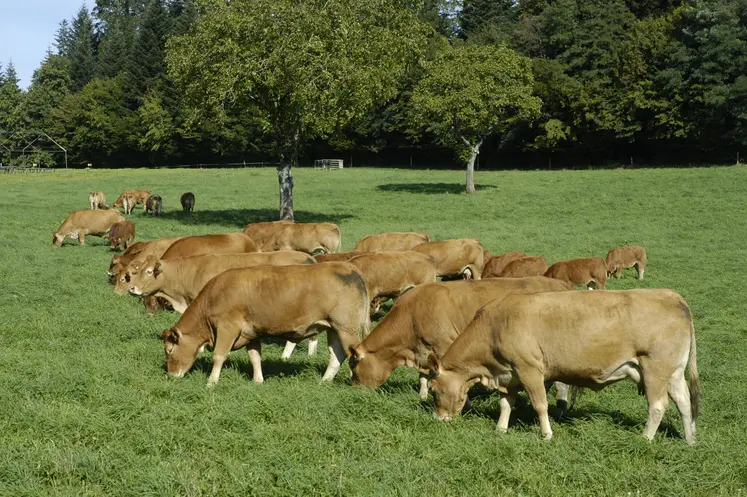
311,238
128,203
625,257
154,204
496,264
97,200
525,266
426,320
462,258
121,234
239,307
337,256
78,224
590,272
140,197
395,241
229,243
588,339
188,201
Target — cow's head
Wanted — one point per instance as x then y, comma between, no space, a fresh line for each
449,390
611,268
57,239
181,351
144,280
368,370
121,282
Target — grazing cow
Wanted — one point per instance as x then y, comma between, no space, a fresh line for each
154,204
180,280
337,256
625,257
97,200
188,201
590,272
140,197
462,258
119,263
496,264
78,224
239,307
154,304
128,203
121,234
228,243
588,339
311,238
395,241
390,274
523,267
426,320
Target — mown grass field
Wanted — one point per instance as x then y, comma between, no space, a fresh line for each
86,407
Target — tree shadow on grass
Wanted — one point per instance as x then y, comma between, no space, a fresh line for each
429,188
239,218
271,368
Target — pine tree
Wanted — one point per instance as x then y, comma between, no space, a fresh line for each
115,50
147,64
49,86
82,57
63,39
488,21
11,97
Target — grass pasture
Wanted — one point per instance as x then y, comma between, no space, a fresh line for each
87,409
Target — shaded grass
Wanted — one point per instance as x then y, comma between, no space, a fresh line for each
86,408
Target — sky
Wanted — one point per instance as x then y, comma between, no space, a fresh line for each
27,29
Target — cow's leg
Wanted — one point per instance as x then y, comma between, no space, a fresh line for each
507,403
561,396
423,387
223,343
336,355
656,394
82,238
313,344
680,394
534,384
254,348
640,270
288,350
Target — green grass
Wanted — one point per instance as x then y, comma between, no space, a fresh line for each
87,409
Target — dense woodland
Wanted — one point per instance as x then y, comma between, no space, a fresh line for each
524,83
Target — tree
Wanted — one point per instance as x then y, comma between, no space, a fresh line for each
147,64
302,68
63,39
488,21
470,92
115,49
49,86
82,58
11,97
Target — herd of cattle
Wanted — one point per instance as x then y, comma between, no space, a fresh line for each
509,321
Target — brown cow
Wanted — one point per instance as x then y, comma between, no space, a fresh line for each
625,257
588,339
140,197
390,274
590,272
496,264
128,203
188,201
228,243
523,267
462,258
122,234
78,224
97,200
179,280
119,263
154,205
395,241
337,256
287,235
426,320
241,306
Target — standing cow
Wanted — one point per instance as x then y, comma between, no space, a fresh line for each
588,339
78,224
188,201
590,272
239,307
121,234
394,241
626,257
97,200
461,258
154,204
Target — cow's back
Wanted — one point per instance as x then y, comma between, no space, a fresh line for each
393,241
495,266
525,267
454,256
229,243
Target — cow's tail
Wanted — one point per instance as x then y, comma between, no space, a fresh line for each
366,324
694,377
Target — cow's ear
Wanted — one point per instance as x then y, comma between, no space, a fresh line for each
434,365
157,268
172,335
356,352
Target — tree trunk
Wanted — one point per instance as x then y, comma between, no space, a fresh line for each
474,152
